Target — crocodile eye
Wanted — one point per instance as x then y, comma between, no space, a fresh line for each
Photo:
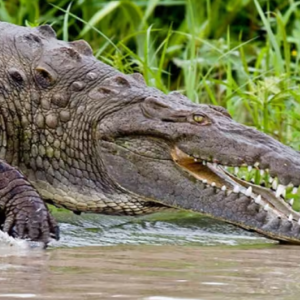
198,118
201,120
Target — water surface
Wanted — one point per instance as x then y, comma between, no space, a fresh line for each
164,257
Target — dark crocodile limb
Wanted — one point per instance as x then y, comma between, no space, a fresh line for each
92,139
23,213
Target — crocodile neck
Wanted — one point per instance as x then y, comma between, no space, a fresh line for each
63,164
10,129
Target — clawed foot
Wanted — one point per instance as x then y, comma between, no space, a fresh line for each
29,218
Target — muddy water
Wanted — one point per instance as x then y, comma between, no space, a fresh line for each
158,258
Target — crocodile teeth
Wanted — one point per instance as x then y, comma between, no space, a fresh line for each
290,217
248,191
204,181
223,188
236,170
274,184
284,192
258,199
291,202
250,168
236,189
195,160
262,172
256,165
271,179
266,207
280,190
295,190
213,184
204,163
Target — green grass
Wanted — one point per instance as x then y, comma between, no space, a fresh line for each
241,54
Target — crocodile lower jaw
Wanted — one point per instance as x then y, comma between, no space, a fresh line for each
225,179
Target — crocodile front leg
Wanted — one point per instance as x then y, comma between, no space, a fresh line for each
23,213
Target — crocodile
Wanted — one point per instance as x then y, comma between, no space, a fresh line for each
77,133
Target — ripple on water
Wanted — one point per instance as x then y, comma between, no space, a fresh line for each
164,228
170,298
20,296
159,229
132,266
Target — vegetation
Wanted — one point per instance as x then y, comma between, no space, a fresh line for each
241,54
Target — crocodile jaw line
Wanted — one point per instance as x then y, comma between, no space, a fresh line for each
215,175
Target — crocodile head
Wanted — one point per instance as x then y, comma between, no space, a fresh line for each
92,139
196,157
